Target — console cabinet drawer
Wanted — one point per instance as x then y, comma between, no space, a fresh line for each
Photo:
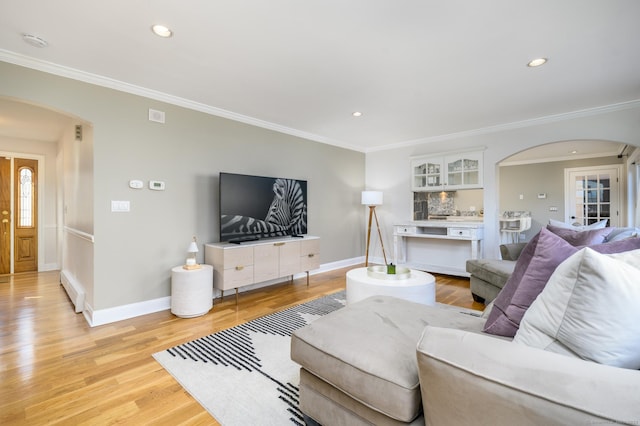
310,255
230,258
460,232
235,277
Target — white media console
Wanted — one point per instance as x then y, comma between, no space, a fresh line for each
239,265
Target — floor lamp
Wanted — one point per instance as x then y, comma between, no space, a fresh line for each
373,199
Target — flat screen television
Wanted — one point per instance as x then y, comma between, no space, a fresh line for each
256,207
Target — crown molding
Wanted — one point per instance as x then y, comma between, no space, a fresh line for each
110,83
75,74
514,125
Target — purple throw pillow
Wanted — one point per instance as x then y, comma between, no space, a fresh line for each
531,275
581,237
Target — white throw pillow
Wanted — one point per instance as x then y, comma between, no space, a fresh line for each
590,307
597,225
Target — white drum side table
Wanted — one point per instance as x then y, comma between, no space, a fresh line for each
191,291
420,287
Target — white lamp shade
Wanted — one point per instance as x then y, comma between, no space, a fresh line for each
372,198
193,247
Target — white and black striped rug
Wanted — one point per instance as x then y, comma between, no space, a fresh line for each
244,375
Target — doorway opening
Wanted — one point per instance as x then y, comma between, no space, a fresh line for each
592,194
19,214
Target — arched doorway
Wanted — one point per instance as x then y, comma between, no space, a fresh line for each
534,179
30,188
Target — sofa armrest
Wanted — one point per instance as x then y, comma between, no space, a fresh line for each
511,251
472,378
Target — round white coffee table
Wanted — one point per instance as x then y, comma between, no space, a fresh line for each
419,287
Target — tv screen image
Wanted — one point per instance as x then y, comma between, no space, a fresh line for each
255,207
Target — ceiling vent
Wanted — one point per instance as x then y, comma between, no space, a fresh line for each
34,41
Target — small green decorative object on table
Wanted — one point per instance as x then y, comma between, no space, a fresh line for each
391,269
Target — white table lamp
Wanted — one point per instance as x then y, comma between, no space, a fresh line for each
191,256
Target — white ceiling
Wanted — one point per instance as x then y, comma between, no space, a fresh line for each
417,69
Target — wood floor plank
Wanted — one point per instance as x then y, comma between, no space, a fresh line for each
57,370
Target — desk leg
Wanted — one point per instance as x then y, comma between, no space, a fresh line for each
474,249
307,278
395,249
236,296
399,243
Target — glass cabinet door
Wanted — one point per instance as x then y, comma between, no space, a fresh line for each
426,174
464,171
450,172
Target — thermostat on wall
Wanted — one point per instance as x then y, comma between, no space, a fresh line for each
156,185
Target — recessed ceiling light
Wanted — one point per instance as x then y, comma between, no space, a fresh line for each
357,114
34,41
575,151
537,62
161,30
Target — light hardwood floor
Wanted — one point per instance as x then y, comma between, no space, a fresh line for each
55,369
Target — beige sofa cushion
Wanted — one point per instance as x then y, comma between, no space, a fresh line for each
589,308
369,350
469,379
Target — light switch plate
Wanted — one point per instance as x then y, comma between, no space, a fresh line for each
120,206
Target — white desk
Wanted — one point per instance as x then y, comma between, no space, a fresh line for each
441,246
420,287
191,291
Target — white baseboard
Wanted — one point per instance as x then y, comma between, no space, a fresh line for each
48,267
74,290
119,313
123,312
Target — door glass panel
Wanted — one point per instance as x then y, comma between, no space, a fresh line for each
592,197
25,200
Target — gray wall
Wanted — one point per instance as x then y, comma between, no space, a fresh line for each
134,252
532,179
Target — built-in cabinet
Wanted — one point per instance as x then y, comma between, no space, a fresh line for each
239,265
447,172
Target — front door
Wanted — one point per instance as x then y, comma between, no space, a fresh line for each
593,195
5,215
26,215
